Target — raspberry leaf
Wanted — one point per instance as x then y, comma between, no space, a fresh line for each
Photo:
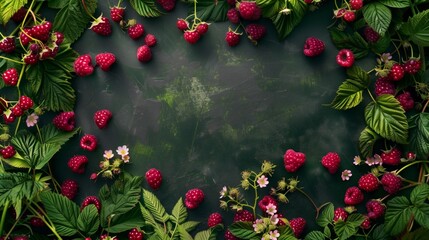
315,235
206,234
378,16
190,225
346,229
419,134
354,42
326,216
269,7
396,3
367,139
209,10
419,194
285,23
397,215
145,8
10,7
418,28
126,221
88,221
155,207
243,230
51,134
179,212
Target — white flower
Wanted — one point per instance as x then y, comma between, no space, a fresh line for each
122,150
357,160
346,174
262,181
223,192
32,120
108,154
274,235
271,209
126,158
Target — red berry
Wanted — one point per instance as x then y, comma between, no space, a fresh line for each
202,28
20,237
293,160
25,102
10,76
150,40
349,16
375,209
214,219
313,47
298,226
91,200
384,86
231,2
135,234
191,36
167,5
353,196
340,214
19,15
193,198
366,224
25,36
31,58
356,4
228,235
232,38
36,222
308,1
88,142
406,101
249,10
83,65
368,182
8,152
331,161
345,58
42,31
265,201
77,163
182,24
105,60
412,66
396,72
339,13
107,237
370,35
117,13
411,156
144,54
102,118
135,31
8,119
243,216
65,121
255,32
69,188
153,178
391,182
7,44
101,26
233,16
17,111
391,157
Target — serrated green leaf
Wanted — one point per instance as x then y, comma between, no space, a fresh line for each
419,134
419,194
15,187
126,221
326,216
381,45
367,140
57,4
396,3
64,59
421,214
10,7
17,161
419,28
57,92
345,229
62,212
327,231
88,221
398,213
184,235
286,233
152,203
209,10
148,216
378,16
285,23
207,234
315,235
50,134
387,118
190,225
352,41
355,219
179,211
242,230
419,234
379,233
145,8
269,7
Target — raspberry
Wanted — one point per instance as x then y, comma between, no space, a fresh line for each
105,60
117,13
25,36
412,66
391,157
281,220
8,152
265,201
339,13
101,26
25,102
10,77
193,198
349,16
31,59
202,28
228,235
366,224
65,121
375,209
150,40
46,53
83,65
345,58
135,31
153,178
370,35
102,118
243,216
135,234
298,226
57,38
249,10
69,188
167,5
384,86
8,119
231,2
20,237
88,142
232,38
182,24
356,4
255,32
77,163
107,237
313,47
331,161
42,31
214,219
411,156
191,36
91,200
233,16
293,160
17,111
19,15
7,44
396,72
391,182
353,196
36,222
368,182
144,54
340,214
406,101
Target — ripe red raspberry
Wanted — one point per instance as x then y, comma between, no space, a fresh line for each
153,178
144,54
30,58
366,224
135,31
255,32
331,161
293,160
214,219
19,15
243,216
411,156
228,235
25,102
102,118
8,152
117,13
78,163
36,222
182,24
375,209
46,53
42,31
231,2
368,182
17,111
356,4
65,121
7,44
83,65
340,214
313,47
391,157
101,26
345,58
233,16
391,182
88,142
202,28
339,13
193,198
353,196
349,16
105,60
281,220
91,200
10,76
232,38
57,38
249,10
150,40
396,72
9,119
265,201
370,35
298,226
107,237
191,36
69,188
135,234
406,100
25,36
167,5
384,86
412,66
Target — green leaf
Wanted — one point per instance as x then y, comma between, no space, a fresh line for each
398,213
396,3
152,203
148,216
190,225
315,235
367,140
88,220
382,45
419,28
419,134
344,230
145,8
183,233
57,91
421,214
283,23
242,230
10,7
179,212
327,231
352,41
377,16
15,187
269,7
209,10
126,221
74,12
51,134
387,118
64,59
286,233
355,219
207,234
326,216
419,194
379,233
57,4
17,161
419,234
62,212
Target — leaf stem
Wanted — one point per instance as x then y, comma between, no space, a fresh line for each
372,97
12,60
311,200
86,10
3,216
408,165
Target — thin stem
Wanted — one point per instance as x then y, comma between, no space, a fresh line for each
86,10
3,216
425,106
372,97
12,60
310,199
51,227
408,165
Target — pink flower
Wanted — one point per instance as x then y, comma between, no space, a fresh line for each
122,150
108,154
357,160
262,181
32,120
346,174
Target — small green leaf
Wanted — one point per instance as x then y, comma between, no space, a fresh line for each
242,230
285,23
378,16
52,135
17,162
379,233
179,212
145,8
367,140
190,225
155,207
10,7
207,234
183,233
269,7
396,3
398,213
327,231
419,194
326,216
57,4
126,221
148,216
15,187
286,233
419,28
421,214
315,235
419,134
88,221
345,229
355,219
352,41
209,10
381,45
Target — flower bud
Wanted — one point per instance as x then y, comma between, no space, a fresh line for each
108,174
293,183
245,174
234,193
4,137
267,167
245,184
281,185
282,198
116,163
